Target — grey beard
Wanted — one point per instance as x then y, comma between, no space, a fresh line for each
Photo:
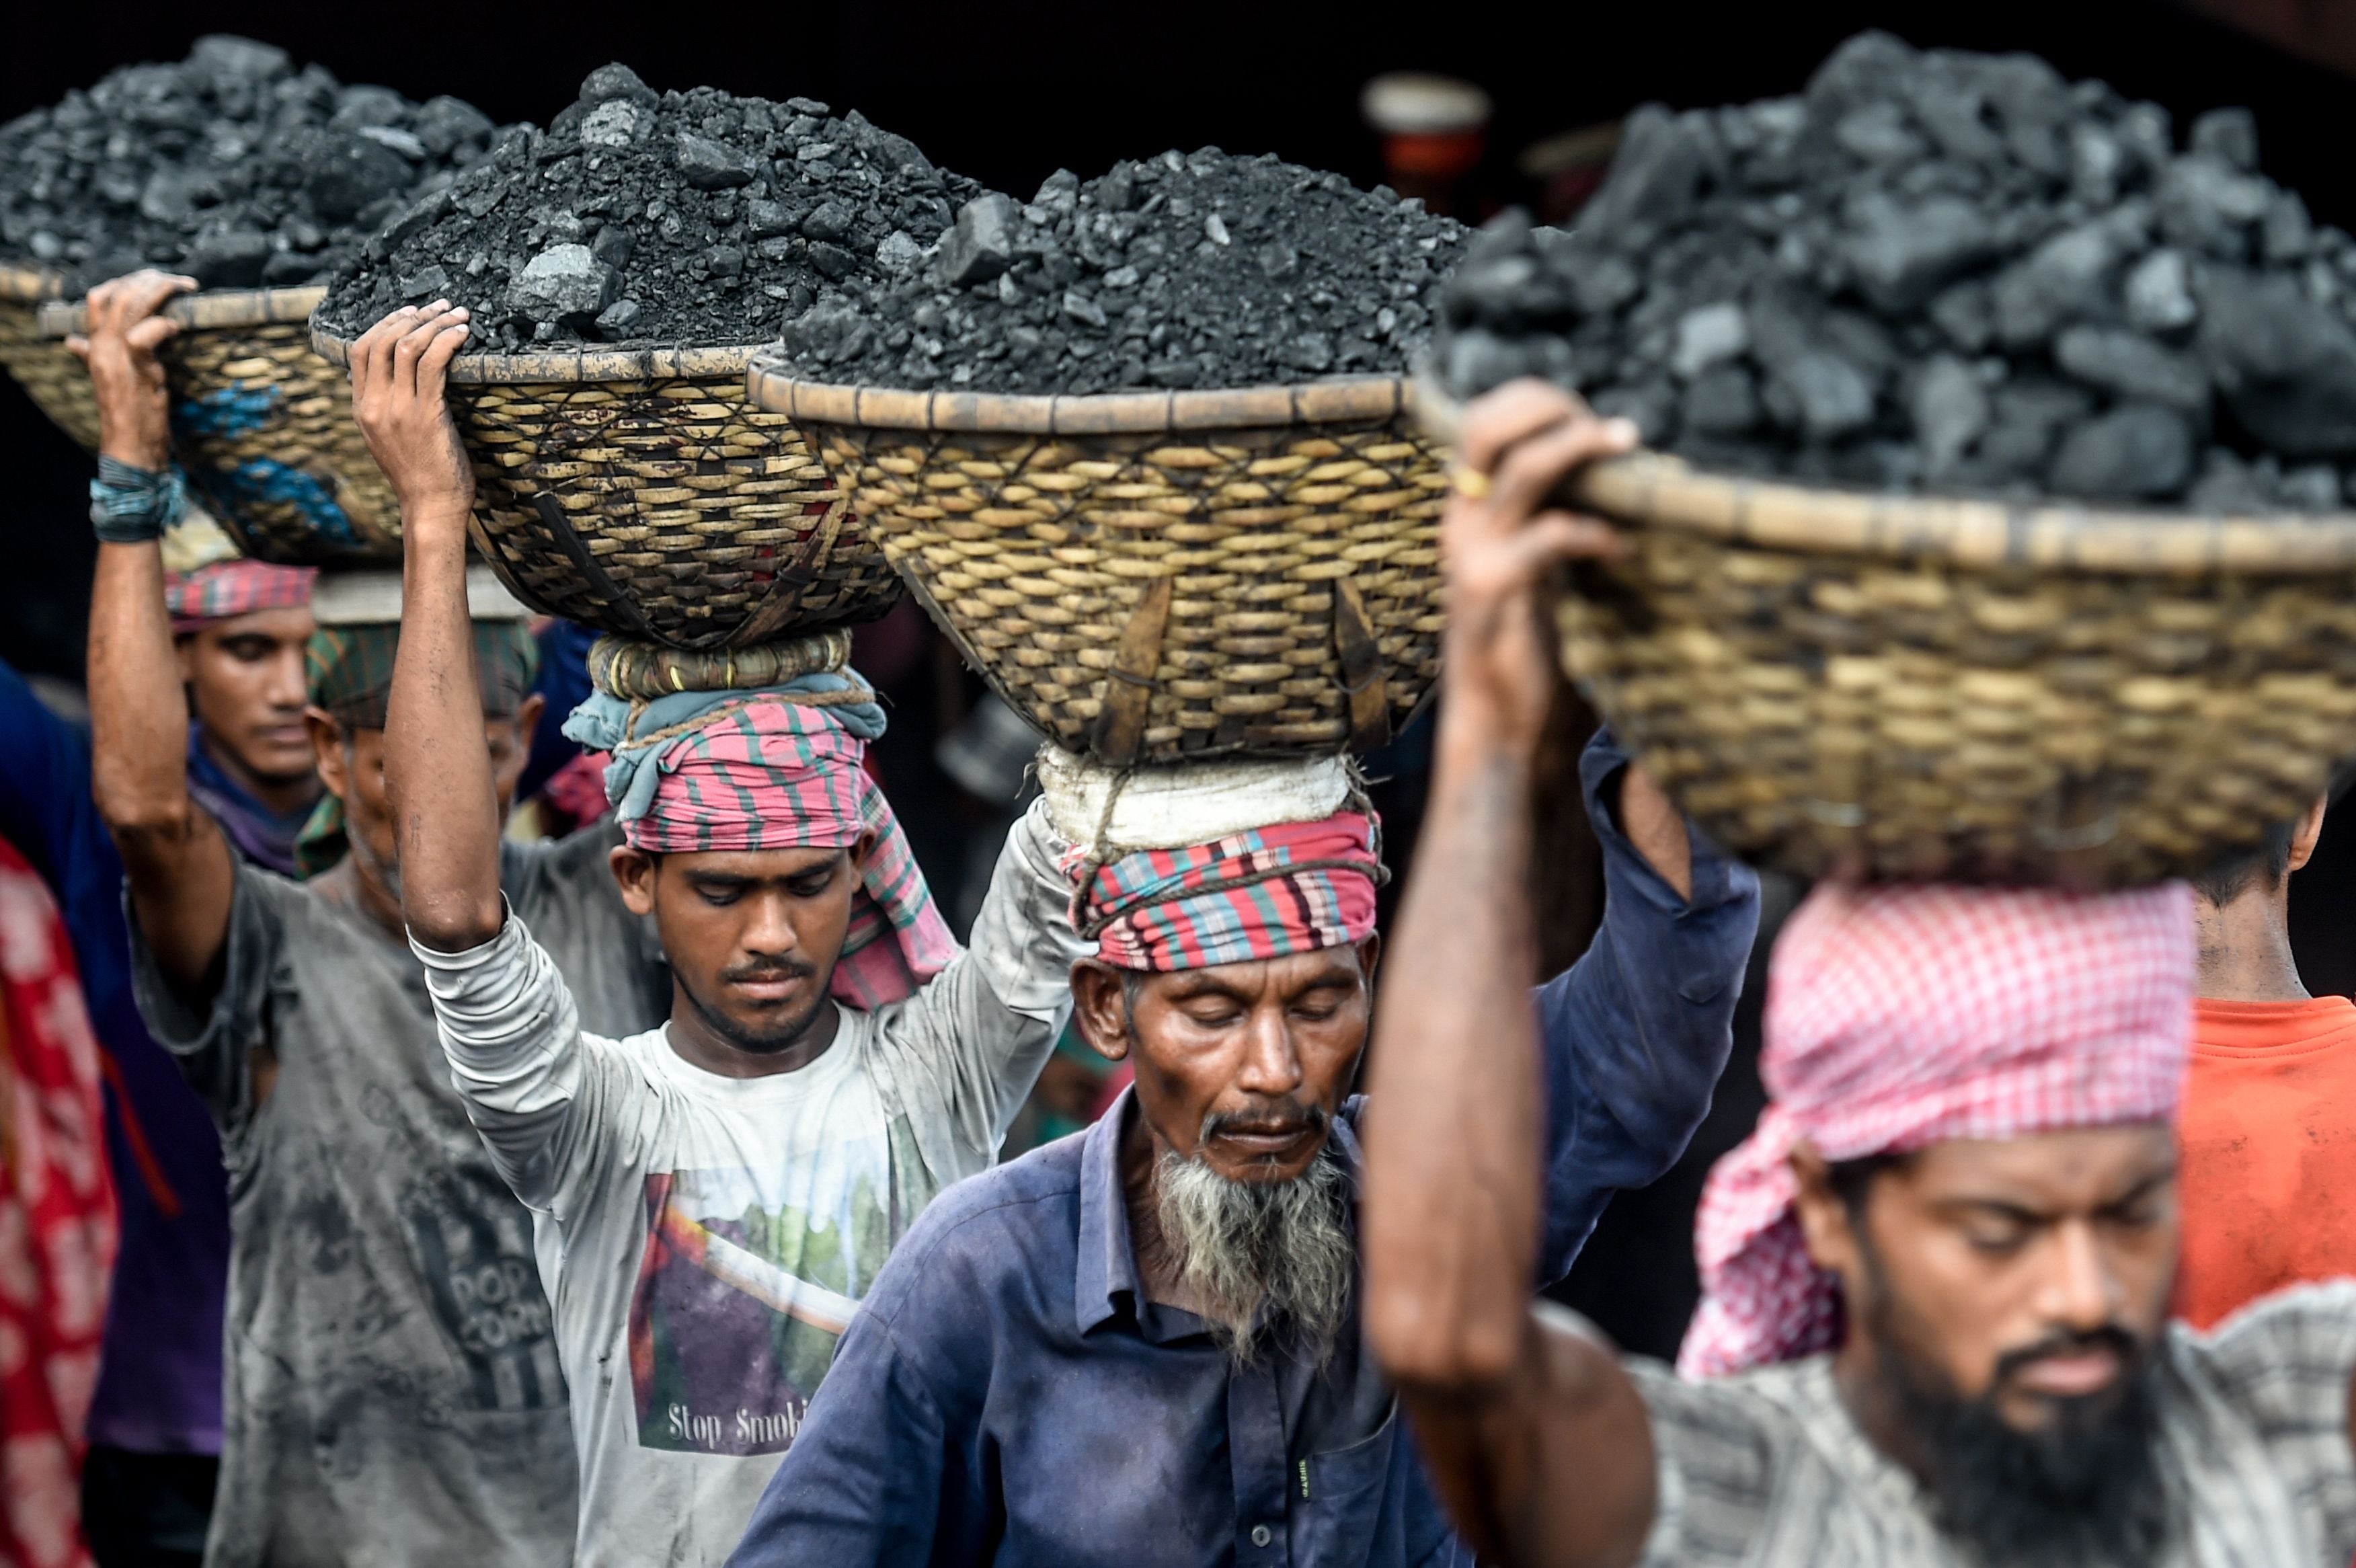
1262,1254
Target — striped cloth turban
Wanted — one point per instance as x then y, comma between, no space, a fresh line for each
1265,893
225,589
1902,1016
780,767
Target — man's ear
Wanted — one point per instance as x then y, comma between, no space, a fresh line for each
1370,953
1101,1008
1826,1223
327,751
184,653
2306,831
634,871
527,719
860,851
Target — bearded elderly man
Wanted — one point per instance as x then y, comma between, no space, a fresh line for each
1936,1277
1140,1345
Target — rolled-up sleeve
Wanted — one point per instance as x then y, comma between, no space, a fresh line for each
1637,1031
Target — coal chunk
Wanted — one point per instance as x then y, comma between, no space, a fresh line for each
709,164
2134,453
564,285
2283,365
981,243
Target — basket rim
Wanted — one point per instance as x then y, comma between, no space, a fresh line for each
21,284
768,386
209,311
1663,491
583,364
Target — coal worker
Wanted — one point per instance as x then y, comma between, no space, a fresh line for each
238,628
713,1195
1936,1277
391,1389
2269,1130
1140,1345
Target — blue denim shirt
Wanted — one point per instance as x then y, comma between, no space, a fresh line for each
1007,1394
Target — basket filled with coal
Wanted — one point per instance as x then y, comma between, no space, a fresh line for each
50,375
257,179
620,269
1143,445
1994,525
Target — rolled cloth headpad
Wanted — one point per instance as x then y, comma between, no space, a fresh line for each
777,767
207,580
1902,1016
1203,864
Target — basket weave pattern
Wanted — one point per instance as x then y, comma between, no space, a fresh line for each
682,514
1839,683
1152,594
50,375
263,427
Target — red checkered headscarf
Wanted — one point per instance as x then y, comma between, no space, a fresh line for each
225,589
1902,1016
1293,888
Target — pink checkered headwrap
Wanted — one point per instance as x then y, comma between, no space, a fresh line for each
225,589
1293,888
1901,1016
771,773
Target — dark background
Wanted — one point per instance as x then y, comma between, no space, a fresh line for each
1009,92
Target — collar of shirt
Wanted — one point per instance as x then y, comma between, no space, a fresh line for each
1106,1268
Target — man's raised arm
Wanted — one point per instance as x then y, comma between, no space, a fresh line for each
437,771
174,854
1455,1123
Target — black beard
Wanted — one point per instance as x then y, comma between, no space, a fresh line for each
781,1037
2084,1490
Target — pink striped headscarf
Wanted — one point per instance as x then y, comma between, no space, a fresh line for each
1293,888
772,773
1902,1016
224,589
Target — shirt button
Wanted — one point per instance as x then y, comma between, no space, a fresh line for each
1260,1536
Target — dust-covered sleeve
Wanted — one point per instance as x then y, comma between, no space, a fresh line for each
963,1052
215,1042
2286,1363
517,1056
1715,1451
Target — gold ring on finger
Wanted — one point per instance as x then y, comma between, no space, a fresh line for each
1471,483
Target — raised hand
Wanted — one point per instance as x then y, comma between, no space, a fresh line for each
1499,540
122,332
399,368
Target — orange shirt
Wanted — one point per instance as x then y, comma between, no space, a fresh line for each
2268,1129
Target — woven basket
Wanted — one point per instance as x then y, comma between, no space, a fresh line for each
1834,682
263,427
639,492
49,374
1152,577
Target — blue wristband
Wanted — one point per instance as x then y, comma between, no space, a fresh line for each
132,506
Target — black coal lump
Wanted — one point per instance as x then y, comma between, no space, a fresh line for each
1184,270
1943,270
643,219
231,164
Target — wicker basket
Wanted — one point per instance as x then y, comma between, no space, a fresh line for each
639,492
1834,682
49,374
263,427
1154,576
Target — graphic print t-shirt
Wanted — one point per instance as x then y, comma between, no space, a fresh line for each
705,1239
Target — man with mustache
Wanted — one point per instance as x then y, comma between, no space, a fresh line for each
1936,1277
1140,1345
712,1196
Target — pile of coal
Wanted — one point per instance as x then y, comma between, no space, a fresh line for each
1195,270
637,217
1948,272
232,166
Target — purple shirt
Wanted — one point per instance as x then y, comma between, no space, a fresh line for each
159,1381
